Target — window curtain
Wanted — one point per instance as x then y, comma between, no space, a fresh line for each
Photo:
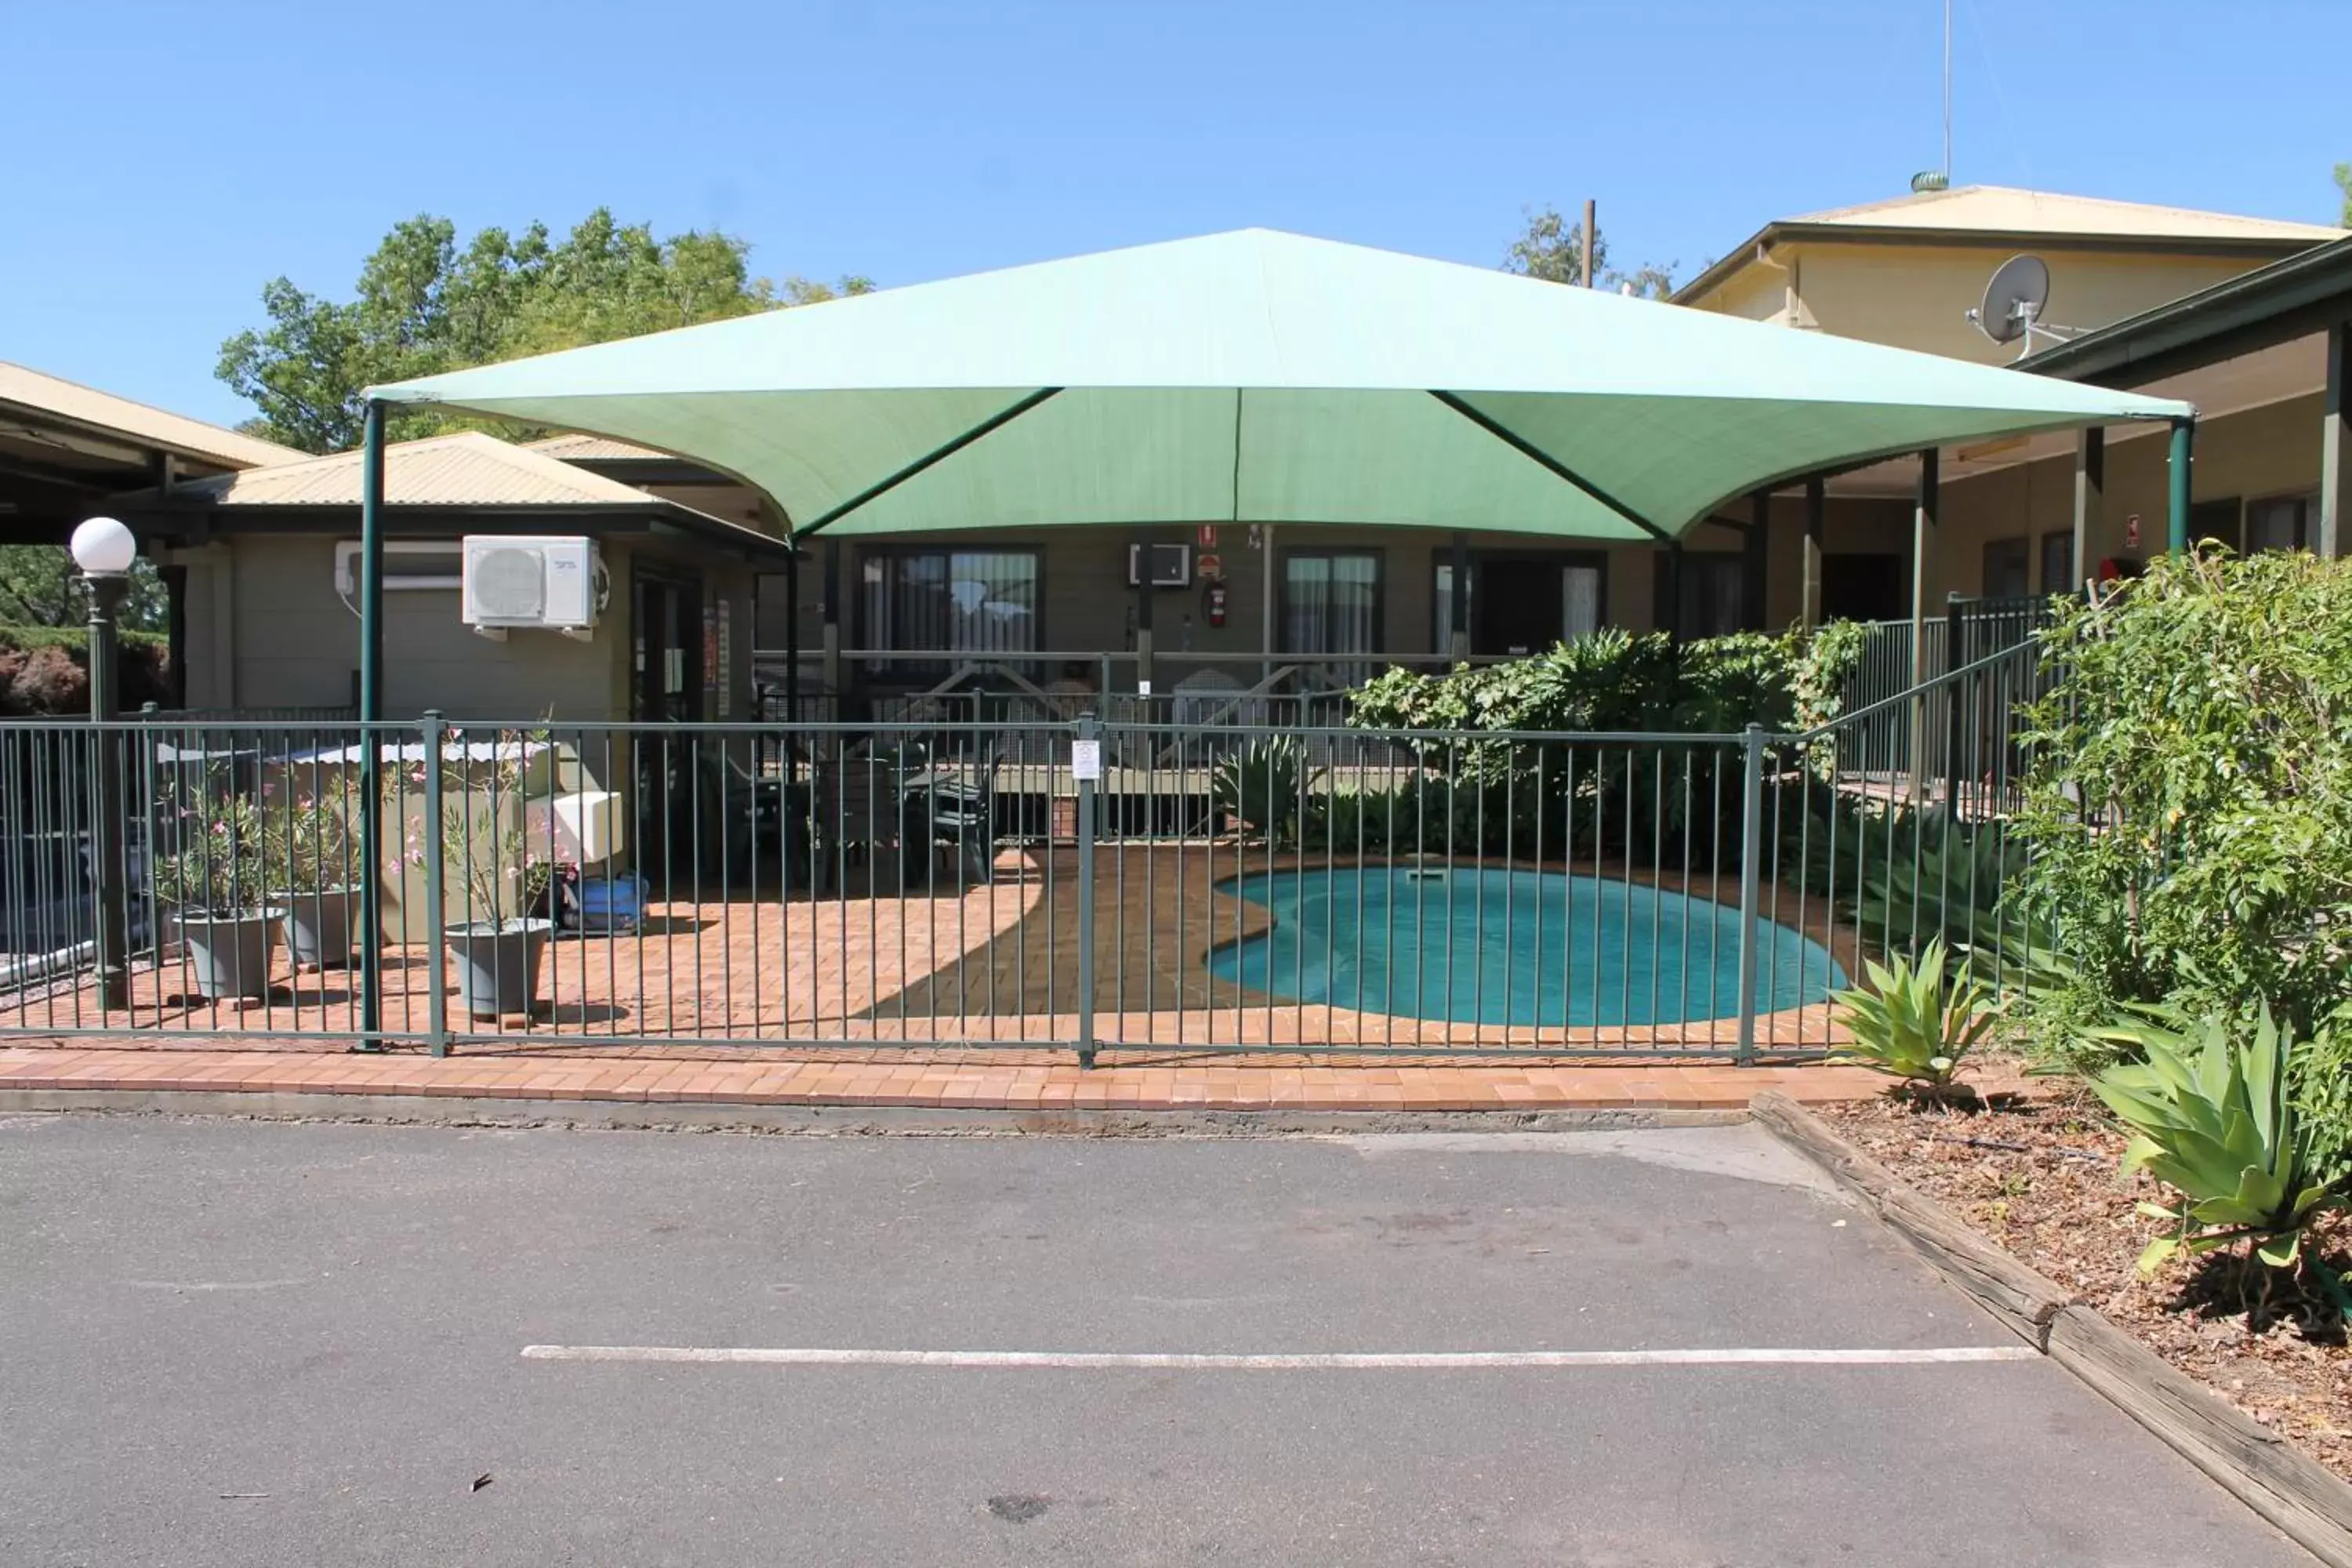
973,602
1580,602
1331,606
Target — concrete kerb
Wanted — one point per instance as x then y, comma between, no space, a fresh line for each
2304,1500
833,1121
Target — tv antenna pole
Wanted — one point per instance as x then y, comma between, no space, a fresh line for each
1947,92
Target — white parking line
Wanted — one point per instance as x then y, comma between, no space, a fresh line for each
1363,1361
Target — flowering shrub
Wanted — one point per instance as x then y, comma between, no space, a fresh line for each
223,857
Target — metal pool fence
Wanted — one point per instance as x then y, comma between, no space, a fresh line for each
1146,880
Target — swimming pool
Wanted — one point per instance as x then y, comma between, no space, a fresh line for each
1495,946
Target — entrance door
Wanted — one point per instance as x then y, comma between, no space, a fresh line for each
665,687
1863,588
1520,604
666,622
1517,606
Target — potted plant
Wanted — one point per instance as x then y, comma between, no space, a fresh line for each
313,851
500,937
213,886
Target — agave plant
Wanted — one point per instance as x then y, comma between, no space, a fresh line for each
1265,784
2211,1120
1915,1020
1933,879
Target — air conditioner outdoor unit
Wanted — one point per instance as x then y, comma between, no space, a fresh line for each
521,580
1171,565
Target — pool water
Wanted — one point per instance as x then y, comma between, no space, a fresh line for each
1495,946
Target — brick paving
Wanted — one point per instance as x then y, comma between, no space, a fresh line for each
923,998
1004,1080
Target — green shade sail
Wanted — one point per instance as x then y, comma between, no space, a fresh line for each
1265,377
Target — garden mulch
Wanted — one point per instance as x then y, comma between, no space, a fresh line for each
2040,1175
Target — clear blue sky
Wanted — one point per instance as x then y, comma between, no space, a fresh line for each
170,158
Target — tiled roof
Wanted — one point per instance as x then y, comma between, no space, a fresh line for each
468,469
31,389
2003,209
574,447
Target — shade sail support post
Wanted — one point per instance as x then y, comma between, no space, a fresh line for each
2331,538
829,585
1549,464
370,711
929,460
1923,522
791,634
2178,462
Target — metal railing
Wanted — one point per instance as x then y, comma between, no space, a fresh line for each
1137,878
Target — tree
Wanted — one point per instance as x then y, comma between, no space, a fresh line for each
40,586
423,305
2344,183
1553,249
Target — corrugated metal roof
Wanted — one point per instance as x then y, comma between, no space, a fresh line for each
468,469
177,433
2004,209
573,447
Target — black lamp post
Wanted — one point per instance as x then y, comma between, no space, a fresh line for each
104,550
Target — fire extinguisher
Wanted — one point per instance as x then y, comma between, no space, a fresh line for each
1212,604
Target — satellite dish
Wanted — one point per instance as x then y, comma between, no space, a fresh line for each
2012,305
2019,289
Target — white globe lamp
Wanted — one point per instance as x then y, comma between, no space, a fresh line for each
103,547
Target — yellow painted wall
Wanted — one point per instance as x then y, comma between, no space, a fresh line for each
2265,452
1916,296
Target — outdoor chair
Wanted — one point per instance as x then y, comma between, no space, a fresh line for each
899,800
952,816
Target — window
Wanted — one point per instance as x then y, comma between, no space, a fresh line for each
954,601
2282,522
1331,604
2005,564
2058,563
1713,595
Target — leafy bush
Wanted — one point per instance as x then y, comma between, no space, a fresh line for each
1609,680
1584,801
2323,1097
2189,814
1917,1021
45,670
1727,683
2212,1119
1828,659
1265,785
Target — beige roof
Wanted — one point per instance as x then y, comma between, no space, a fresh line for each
70,401
575,448
2004,209
468,469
